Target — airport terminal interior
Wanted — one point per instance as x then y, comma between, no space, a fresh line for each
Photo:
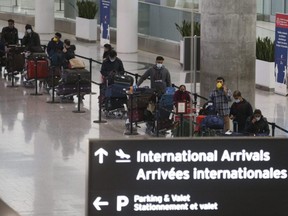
43,146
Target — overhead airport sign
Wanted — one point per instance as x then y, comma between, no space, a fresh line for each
188,177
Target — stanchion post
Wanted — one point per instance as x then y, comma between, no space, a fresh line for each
79,96
100,107
131,132
36,79
273,129
53,87
90,70
157,115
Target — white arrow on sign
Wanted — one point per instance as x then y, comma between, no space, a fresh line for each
97,203
101,152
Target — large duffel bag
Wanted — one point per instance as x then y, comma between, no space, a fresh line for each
212,122
70,76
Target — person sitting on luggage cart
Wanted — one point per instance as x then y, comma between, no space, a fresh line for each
9,35
111,66
54,50
31,40
159,76
68,52
257,125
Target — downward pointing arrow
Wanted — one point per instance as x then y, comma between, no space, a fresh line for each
97,203
101,152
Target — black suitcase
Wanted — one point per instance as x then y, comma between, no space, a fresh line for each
114,103
70,76
123,79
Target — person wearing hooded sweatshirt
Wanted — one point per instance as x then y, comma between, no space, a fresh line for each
159,76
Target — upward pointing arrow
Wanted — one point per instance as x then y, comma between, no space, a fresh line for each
101,153
98,203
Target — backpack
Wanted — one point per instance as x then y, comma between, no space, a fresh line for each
208,109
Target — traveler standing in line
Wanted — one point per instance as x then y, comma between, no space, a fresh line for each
240,110
181,95
159,76
110,67
107,49
9,35
31,40
256,124
54,50
221,96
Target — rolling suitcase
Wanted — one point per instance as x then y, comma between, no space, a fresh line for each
40,65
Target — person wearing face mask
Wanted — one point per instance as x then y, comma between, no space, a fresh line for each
112,64
257,125
240,110
54,50
220,97
31,40
181,95
9,34
159,76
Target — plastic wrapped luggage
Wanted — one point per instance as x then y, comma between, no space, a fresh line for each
40,65
70,76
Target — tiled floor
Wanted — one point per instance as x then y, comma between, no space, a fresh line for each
43,147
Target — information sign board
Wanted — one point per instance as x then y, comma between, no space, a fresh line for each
165,177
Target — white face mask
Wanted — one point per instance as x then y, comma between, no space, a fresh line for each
158,65
257,118
237,101
112,59
29,31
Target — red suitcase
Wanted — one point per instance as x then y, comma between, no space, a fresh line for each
42,69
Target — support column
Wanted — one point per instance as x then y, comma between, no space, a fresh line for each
44,16
228,45
127,26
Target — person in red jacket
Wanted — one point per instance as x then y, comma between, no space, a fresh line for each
181,95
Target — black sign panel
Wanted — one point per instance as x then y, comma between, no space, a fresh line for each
166,177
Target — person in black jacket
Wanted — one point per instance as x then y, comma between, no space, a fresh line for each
111,66
31,40
257,125
68,52
9,35
240,111
107,49
54,50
